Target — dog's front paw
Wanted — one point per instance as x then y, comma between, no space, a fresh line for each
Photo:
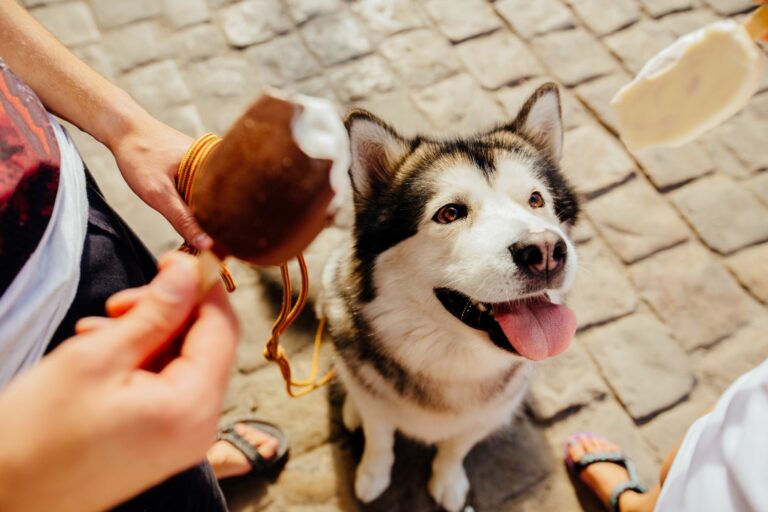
449,487
349,416
371,482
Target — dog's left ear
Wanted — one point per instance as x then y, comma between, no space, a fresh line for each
376,151
540,120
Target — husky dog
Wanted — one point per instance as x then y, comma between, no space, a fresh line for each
449,286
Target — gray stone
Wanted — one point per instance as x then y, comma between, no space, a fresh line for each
597,95
728,7
111,14
659,374
565,383
498,59
336,38
476,110
602,19
553,493
743,134
420,57
693,294
253,21
157,85
594,160
283,59
317,86
181,13
658,8
723,213
750,267
387,17
198,42
668,167
557,49
636,221
398,109
462,20
759,186
721,156
71,23
222,77
682,23
584,231
303,10
134,44
362,78
532,18
185,118
602,291
573,112
97,57
722,364
639,43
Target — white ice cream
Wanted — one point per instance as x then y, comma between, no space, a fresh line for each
690,87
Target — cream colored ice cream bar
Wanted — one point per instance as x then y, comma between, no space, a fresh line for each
690,87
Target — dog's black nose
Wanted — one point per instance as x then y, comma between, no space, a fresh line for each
542,255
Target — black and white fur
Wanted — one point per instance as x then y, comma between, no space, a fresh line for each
407,363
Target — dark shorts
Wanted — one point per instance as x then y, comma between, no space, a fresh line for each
115,259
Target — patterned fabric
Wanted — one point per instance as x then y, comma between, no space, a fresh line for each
29,174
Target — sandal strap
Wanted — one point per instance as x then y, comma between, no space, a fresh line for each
231,436
629,485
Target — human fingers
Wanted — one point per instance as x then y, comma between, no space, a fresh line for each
122,302
90,324
177,212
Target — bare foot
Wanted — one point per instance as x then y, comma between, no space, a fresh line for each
601,477
228,461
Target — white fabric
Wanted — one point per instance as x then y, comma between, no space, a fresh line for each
35,303
722,465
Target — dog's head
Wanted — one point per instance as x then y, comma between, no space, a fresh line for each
479,225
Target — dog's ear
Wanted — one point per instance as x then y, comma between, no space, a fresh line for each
376,151
540,120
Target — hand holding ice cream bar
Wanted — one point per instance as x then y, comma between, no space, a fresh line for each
699,81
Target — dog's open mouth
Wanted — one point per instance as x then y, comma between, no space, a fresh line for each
535,328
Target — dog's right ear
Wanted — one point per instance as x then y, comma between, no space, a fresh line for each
376,152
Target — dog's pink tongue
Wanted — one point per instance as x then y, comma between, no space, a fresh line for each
537,330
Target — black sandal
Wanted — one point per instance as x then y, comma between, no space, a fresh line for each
258,463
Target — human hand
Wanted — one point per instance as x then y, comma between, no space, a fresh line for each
88,428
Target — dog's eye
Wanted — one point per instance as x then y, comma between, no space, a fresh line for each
450,213
536,200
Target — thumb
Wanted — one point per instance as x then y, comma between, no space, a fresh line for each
179,215
161,313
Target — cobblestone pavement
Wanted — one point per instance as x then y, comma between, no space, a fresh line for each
672,292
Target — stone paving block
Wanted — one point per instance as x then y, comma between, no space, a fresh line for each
362,78
750,267
182,13
556,50
640,42
529,19
111,14
198,42
573,112
222,77
602,291
668,167
476,111
498,59
658,8
157,85
462,20
758,185
722,364
420,57
692,294
134,44
681,23
564,383
594,160
185,118
555,493
97,57
71,23
387,17
602,20
721,156
398,109
303,10
584,231
659,374
336,38
728,7
283,59
597,95
636,221
743,134
317,86
253,21
724,214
